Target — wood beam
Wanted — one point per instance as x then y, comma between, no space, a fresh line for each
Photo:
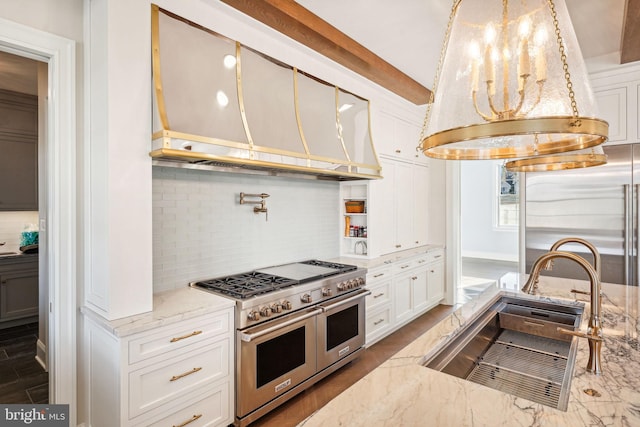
298,23
630,46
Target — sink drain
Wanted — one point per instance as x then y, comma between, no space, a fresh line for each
592,392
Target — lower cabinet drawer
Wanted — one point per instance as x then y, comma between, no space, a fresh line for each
380,295
210,410
435,255
377,323
194,333
164,382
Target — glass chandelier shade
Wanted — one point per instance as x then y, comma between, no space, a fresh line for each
511,83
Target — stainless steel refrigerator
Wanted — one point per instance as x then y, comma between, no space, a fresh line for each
600,204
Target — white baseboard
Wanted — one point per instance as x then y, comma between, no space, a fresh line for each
41,355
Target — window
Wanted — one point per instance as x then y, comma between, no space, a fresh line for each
508,209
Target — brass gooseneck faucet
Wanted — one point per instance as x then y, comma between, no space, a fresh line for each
594,330
588,245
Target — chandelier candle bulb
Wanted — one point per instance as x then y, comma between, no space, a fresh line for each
541,65
474,76
489,71
524,63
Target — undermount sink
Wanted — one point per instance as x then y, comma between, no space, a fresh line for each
515,347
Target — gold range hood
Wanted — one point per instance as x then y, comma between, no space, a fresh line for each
222,106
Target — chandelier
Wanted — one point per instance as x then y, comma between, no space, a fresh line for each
511,84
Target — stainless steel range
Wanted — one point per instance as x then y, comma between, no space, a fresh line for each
295,324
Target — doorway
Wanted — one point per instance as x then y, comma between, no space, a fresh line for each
58,230
489,225
23,284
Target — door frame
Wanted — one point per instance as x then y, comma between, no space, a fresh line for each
60,207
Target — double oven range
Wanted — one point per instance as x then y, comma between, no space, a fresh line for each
295,324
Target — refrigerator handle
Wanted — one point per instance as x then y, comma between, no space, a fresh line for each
635,225
627,234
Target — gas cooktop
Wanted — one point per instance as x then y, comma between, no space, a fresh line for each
265,280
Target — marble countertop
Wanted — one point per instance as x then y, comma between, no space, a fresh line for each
370,263
401,392
168,307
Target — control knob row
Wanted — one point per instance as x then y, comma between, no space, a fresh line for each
351,284
266,311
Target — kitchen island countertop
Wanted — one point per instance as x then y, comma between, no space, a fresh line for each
401,392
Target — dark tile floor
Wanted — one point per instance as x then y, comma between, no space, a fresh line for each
306,403
22,379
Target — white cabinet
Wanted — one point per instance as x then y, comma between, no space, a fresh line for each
617,94
379,307
399,206
397,137
401,291
402,304
410,288
420,185
435,277
169,375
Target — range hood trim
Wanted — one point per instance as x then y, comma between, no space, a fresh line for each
224,163
163,140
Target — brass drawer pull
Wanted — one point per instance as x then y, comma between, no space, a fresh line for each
378,275
177,377
398,246
189,421
379,295
414,278
377,322
404,266
422,261
186,336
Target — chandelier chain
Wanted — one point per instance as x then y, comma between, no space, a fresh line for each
565,65
436,78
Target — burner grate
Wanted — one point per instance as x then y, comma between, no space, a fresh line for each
341,268
246,285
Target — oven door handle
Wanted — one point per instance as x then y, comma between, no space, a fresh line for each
247,337
359,295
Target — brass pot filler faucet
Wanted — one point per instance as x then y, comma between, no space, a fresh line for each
262,203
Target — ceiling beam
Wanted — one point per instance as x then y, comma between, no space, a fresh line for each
298,23
630,46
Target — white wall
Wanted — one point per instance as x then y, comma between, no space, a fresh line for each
11,225
479,236
201,231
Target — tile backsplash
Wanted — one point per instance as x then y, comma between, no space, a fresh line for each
200,230
11,225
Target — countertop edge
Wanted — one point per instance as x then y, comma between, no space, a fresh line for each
168,307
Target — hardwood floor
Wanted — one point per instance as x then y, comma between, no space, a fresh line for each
22,379
306,403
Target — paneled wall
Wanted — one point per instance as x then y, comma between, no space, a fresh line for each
201,231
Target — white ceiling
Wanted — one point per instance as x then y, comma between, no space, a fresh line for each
408,33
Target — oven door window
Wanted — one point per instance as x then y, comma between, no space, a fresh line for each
342,326
280,355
